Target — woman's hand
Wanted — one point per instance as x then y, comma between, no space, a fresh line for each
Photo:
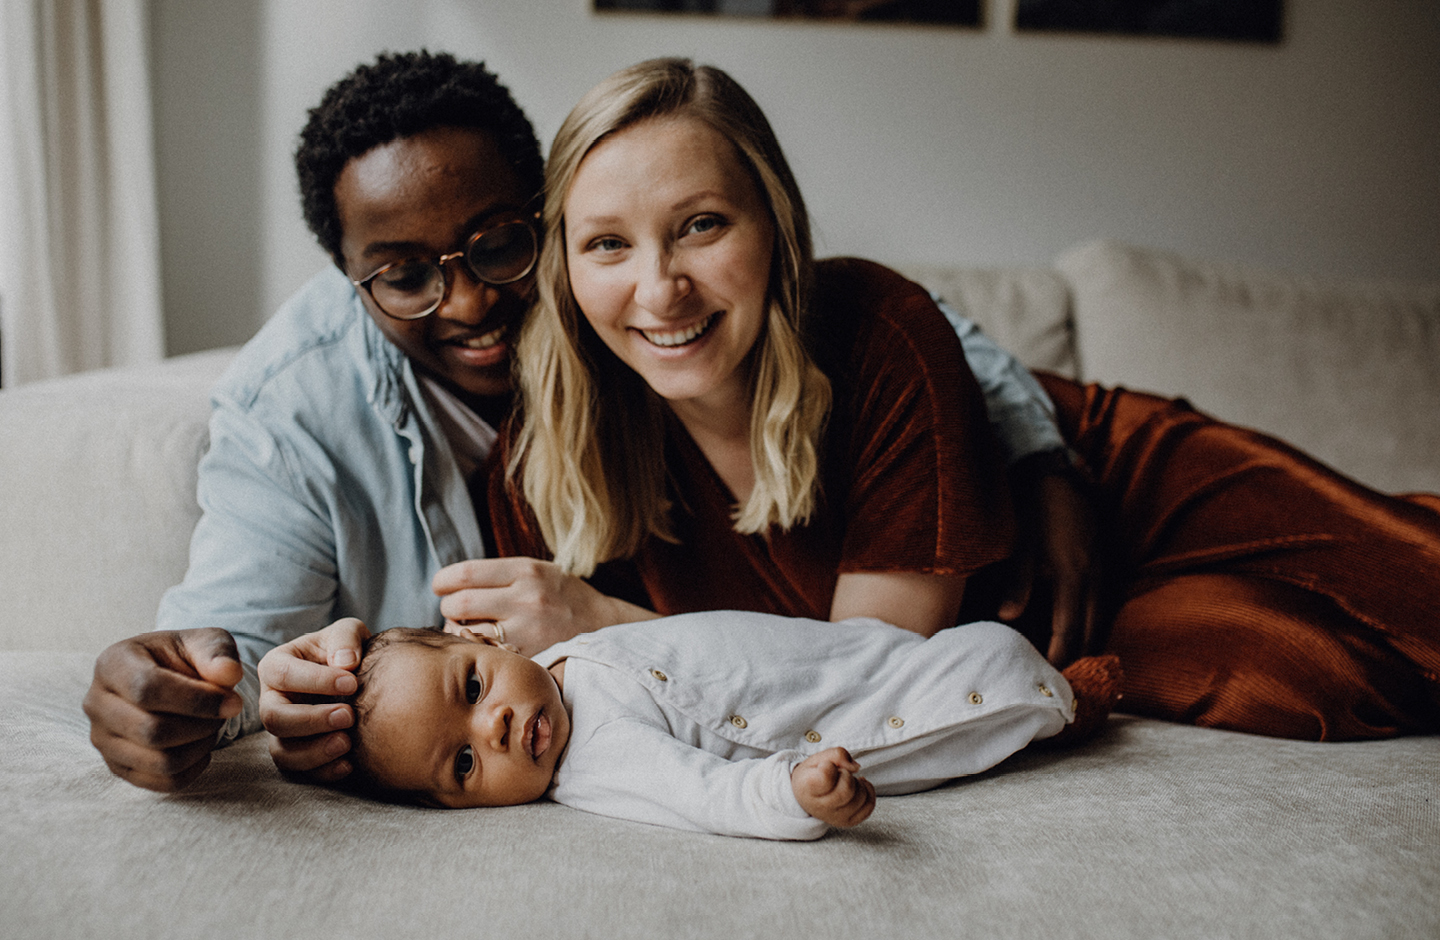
298,682
1057,546
529,604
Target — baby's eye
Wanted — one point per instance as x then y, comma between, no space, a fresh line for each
473,688
464,763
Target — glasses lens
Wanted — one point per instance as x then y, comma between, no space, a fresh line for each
502,254
408,290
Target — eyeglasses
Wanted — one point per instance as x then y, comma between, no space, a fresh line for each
415,287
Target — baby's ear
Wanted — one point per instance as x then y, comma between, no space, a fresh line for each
465,633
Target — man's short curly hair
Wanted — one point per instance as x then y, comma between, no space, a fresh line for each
401,95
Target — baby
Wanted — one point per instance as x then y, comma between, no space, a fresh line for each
729,722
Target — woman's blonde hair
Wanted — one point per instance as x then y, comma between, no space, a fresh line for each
590,456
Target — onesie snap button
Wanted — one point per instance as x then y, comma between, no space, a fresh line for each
813,737
896,722
976,698
1045,691
659,675
737,721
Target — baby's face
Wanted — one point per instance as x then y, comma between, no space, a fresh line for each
467,724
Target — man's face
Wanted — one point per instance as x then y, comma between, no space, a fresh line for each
465,724
423,197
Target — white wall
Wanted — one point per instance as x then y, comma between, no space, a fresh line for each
1319,155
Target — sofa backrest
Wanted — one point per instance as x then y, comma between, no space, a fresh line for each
98,472
1349,373
1025,310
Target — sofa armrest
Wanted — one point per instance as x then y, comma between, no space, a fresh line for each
98,500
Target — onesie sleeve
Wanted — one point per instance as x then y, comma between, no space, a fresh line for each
262,556
633,770
1021,415
926,486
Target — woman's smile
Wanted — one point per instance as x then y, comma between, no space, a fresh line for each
685,336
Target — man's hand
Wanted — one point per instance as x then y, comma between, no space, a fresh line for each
527,604
1058,545
158,701
830,788
298,683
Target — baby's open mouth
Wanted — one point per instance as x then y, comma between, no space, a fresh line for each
537,735
681,337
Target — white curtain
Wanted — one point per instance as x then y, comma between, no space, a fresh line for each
79,229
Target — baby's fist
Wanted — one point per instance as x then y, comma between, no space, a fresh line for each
829,787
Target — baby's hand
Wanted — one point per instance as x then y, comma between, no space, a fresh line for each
830,788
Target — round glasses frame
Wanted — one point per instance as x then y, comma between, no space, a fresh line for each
440,267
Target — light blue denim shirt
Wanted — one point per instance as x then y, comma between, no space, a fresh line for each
330,490
1021,414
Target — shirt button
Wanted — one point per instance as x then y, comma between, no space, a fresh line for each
976,698
813,737
896,722
659,675
1045,691
737,721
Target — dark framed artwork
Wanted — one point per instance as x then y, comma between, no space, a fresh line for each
1235,20
938,12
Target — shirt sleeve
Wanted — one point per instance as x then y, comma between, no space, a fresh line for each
262,557
1022,416
926,484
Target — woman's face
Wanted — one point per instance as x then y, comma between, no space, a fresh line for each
669,242
421,197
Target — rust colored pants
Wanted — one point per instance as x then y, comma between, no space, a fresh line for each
1255,589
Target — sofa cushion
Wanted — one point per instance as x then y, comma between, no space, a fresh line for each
1024,310
99,503
1348,373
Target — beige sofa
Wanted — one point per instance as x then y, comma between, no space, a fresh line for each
1153,831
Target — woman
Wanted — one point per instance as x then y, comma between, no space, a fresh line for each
713,418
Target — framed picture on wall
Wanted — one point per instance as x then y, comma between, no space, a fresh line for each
939,12
1237,20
